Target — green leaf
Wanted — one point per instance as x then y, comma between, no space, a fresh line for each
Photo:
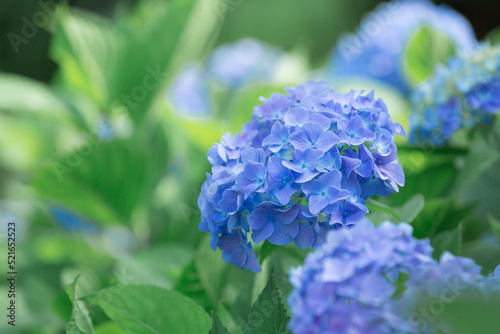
212,271
108,327
473,313
410,210
450,241
374,205
479,160
161,266
495,225
217,326
284,288
148,309
102,181
92,52
80,322
266,250
268,313
494,36
189,285
440,215
425,49
486,255
42,99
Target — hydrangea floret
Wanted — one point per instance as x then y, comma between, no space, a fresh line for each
461,94
352,283
303,165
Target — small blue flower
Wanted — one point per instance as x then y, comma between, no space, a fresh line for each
278,137
324,191
459,95
252,178
270,221
313,136
348,284
354,132
237,250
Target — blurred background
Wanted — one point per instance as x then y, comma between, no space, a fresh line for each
107,109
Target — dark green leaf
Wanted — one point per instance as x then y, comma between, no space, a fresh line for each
268,314
450,241
477,162
410,210
284,288
266,250
217,326
494,36
148,309
485,254
473,313
495,225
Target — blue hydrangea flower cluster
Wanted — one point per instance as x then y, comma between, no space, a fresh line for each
459,95
349,285
303,165
376,50
230,67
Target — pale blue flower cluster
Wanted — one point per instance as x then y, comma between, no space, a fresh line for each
459,95
303,165
229,68
353,283
376,50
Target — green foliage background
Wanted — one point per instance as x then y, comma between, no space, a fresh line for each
144,267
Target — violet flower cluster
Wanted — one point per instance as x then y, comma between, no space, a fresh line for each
350,284
376,50
304,164
461,94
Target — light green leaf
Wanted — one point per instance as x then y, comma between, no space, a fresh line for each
108,327
376,206
160,266
473,313
126,62
212,271
20,94
410,210
80,322
425,49
148,309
